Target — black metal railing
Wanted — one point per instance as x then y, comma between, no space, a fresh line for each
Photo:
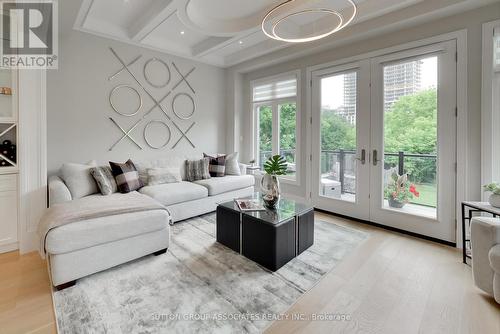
343,156
289,156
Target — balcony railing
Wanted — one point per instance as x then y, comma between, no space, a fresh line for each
289,156
423,166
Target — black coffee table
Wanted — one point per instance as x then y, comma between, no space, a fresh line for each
272,237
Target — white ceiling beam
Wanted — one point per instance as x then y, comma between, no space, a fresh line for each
151,19
83,13
208,45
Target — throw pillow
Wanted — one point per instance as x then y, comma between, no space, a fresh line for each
216,165
232,165
197,170
78,179
105,180
163,175
126,176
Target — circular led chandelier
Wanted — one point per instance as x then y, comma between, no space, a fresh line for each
270,26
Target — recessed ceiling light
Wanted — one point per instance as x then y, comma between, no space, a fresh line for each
241,42
183,32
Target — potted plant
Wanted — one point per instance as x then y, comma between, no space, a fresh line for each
270,186
399,191
494,199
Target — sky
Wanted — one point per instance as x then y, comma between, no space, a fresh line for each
332,88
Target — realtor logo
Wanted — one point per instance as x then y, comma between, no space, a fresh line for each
29,34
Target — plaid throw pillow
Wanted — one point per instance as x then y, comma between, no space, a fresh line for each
126,176
216,165
197,170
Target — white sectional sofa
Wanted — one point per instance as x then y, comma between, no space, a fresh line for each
85,247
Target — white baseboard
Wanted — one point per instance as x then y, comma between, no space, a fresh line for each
9,247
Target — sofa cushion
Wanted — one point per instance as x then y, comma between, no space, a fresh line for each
158,176
105,180
216,165
92,232
126,176
173,193
227,183
78,179
232,165
197,169
170,162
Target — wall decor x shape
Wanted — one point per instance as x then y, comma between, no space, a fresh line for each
157,103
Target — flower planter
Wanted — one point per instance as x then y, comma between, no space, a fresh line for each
393,203
495,200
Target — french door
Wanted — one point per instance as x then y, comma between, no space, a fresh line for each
384,140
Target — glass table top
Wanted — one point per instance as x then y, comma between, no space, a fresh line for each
285,210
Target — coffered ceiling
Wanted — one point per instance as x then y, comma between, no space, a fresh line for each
217,32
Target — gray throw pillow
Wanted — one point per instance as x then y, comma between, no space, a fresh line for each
232,165
78,179
197,170
104,179
163,175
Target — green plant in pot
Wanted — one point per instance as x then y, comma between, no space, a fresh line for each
494,188
270,185
399,191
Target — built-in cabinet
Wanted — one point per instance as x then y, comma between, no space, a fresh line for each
8,212
9,192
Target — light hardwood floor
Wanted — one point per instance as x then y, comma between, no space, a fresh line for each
392,283
25,295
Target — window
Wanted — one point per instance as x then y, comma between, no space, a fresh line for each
276,116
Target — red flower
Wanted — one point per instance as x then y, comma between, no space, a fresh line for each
413,189
416,193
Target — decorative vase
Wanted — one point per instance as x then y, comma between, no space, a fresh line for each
393,203
270,187
495,200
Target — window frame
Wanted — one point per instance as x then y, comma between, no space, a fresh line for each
490,164
274,104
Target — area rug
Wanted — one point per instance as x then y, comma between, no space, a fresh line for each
198,286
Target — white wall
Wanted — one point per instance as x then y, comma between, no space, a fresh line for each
78,107
471,21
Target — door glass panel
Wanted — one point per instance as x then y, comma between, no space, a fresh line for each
338,136
288,135
410,136
265,141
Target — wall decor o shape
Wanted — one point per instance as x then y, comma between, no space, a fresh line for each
166,67
113,91
146,129
185,117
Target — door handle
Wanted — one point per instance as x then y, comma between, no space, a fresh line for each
363,157
375,158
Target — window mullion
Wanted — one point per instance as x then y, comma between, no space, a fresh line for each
276,127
